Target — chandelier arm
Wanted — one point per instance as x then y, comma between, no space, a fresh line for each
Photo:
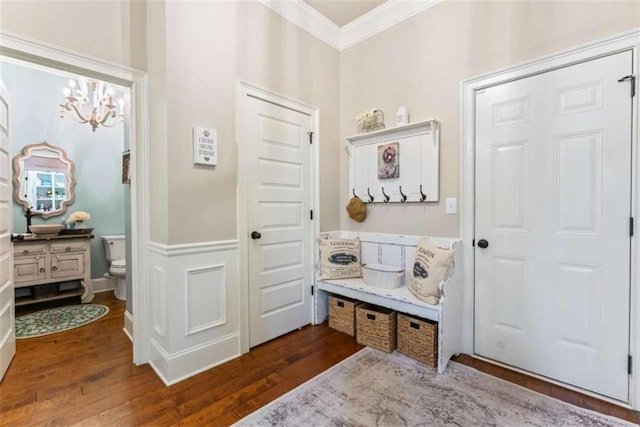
107,115
81,118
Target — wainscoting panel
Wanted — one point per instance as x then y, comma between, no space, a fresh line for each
159,301
205,298
128,325
195,294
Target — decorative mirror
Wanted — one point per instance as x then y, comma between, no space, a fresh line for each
43,180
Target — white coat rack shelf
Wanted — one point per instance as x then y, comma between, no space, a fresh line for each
417,159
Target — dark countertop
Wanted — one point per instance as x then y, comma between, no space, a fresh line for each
35,238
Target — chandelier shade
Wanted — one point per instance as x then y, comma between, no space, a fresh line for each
100,112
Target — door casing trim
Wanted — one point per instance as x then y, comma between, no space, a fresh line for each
243,90
628,40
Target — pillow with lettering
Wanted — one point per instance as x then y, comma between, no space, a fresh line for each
339,258
432,266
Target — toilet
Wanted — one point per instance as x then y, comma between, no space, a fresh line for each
115,251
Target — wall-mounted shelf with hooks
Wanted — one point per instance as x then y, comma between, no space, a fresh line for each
414,175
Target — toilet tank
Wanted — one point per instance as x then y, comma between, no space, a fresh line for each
114,247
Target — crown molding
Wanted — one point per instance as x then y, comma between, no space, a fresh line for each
304,16
385,16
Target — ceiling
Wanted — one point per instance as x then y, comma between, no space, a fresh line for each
344,23
342,12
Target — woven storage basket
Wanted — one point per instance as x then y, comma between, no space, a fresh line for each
418,338
342,314
376,327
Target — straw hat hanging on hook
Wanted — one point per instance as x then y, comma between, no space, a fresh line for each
357,209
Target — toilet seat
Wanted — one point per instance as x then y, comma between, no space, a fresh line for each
118,267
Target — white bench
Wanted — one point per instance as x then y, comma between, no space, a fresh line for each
399,250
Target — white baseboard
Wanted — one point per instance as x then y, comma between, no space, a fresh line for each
128,325
173,368
102,284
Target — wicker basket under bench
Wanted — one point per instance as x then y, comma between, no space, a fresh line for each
376,327
418,338
400,250
342,314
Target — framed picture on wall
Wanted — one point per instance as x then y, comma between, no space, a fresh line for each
126,170
389,160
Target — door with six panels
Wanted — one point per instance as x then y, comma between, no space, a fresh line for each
553,206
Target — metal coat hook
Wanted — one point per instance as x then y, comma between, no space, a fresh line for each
403,197
370,196
423,196
353,190
386,198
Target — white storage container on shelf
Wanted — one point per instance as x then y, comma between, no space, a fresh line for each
382,276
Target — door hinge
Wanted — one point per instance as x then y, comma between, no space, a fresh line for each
631,226
312,291
632,79
311,214
310,137
473,242
630,364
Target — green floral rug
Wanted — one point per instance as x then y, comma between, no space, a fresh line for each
58,319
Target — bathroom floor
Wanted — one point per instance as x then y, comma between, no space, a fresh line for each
86,376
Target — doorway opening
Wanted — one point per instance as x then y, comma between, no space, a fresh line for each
14,48
92,185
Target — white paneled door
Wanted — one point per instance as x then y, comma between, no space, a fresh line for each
553,206
7,334
279,219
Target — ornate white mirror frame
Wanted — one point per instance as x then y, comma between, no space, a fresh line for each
44,180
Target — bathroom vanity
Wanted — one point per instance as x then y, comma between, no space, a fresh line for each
41,263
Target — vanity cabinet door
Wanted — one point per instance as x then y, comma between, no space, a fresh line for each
28,269
67,266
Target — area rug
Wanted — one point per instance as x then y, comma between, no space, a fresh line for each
58,319
372,388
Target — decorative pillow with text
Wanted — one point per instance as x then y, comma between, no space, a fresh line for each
340,258
432,266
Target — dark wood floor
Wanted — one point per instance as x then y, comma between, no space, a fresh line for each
85,376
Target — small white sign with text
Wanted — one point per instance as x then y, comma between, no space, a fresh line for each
205,146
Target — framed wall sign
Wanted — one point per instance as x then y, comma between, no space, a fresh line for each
205,146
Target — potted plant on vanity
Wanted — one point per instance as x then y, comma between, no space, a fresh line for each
77,222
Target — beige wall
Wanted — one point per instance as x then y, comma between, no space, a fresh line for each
195,51
157,69
419,64
115,33
208,46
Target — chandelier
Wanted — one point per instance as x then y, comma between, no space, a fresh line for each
101,112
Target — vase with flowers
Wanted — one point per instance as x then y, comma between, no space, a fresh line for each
78,220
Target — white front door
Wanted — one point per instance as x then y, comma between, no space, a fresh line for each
553,186
7,334
279,200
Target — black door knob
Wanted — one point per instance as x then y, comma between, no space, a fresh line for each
255,235
482,243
